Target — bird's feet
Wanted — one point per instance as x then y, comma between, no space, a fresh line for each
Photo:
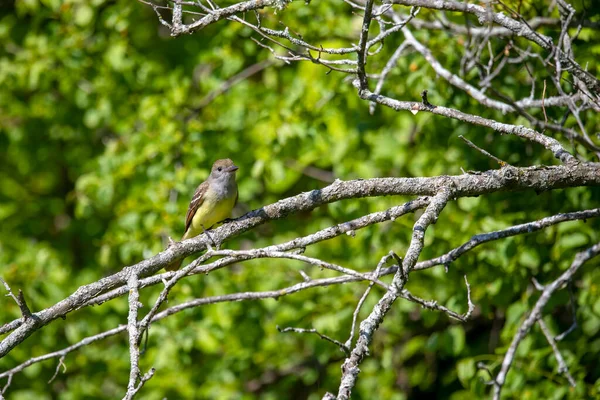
211,241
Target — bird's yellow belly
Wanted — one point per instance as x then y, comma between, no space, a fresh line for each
208,214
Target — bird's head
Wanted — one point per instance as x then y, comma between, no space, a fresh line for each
223,169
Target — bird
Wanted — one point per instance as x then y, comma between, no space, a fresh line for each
212,202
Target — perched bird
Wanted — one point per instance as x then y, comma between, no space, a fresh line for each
212,202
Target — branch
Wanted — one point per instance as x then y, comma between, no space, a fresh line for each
362,45
341,345
528,227
368,326
386,70
348,227
62,353
518,130
219,14
381,263
20,300
505,179
517,27
229,83
145,323
482,151
533,23
477,94
262,253
433,305
453,79
134,334
562,366
536,313
244,296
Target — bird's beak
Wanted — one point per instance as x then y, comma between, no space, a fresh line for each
233,168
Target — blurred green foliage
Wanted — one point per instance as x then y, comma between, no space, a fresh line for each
102,144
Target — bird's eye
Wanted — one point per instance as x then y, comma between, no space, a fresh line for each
219,169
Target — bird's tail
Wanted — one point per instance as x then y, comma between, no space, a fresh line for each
174,266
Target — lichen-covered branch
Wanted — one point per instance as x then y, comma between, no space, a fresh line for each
518,130
505,179
350,368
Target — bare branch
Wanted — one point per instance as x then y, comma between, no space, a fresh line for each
386,70
368,326
244,296
381,263
508,178
469,302
562,366
20,300
229,83
328,233
453,79
132,329
528,227
61,362
145,323
482,151
536,313
433,305
307,284
325,234
499,31
549,143
362,45
517,27
62,353
341,345
219,14
8,382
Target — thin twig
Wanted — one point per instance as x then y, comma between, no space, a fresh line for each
385,71
229,83
543,106
61,362
19,299
145,323
573,326
381,263
6,386
482,151
341,345
562,366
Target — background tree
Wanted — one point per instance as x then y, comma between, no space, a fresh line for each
111,114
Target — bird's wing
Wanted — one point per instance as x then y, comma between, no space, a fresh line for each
197,200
